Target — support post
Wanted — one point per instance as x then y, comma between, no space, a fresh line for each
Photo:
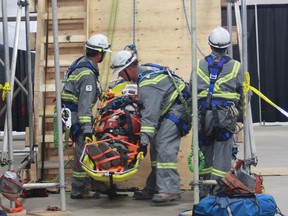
229,25
194,101
58,103
29,75
258,62
7,141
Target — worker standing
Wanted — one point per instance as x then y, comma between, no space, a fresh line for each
220,98
80,93
164,120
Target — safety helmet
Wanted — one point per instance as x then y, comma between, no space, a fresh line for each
122,60
99,43
219,38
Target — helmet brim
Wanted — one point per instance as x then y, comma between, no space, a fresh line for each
107,50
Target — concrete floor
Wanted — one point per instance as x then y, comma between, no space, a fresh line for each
271,147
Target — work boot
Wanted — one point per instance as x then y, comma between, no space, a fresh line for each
144,194
165,197
86,195
104,146
97,155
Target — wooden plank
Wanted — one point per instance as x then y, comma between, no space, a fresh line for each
66,15
32,39
68,38
55,165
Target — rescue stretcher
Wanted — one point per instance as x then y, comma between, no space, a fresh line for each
114,156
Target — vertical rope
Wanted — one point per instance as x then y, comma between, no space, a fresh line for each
134,24
110,35
188,26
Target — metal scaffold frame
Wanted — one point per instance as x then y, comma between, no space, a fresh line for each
249,145
7,151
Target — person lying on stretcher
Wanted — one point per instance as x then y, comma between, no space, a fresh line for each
117,130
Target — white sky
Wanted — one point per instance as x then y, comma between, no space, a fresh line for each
12,12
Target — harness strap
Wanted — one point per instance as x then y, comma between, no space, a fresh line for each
70,106
216,102
159,69
77,64
185,127
215,68
182,96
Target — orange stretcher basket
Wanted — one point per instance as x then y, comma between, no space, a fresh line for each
114,156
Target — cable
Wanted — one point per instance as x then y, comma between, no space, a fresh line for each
188,26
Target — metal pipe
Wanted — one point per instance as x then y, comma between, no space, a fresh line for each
58,103
39,185
248,131
7,142
12,77
229,24
29,75
239,27
258,62
15,46
194,101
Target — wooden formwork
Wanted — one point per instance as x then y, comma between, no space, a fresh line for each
162,37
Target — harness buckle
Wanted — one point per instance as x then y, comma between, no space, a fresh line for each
213,76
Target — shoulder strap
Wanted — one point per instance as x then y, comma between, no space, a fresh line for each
158,70
77,64
215,68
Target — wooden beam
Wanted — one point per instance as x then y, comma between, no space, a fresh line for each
66,15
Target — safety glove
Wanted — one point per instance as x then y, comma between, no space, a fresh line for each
143,148
88,138
106,95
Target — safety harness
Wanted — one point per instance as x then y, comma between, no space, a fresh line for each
75,65
215,67
182,98
71,130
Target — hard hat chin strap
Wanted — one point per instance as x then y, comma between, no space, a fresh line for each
127,75
102,56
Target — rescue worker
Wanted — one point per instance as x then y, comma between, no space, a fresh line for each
220,98
80,93
163,122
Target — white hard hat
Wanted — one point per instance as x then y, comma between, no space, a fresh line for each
121,60
219,38
99,43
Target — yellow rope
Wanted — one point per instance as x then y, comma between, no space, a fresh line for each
110,35
5,89
247,87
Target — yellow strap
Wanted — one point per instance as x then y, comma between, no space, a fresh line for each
6,88
246,85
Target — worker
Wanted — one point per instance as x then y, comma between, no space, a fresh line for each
79,94
164,120
220,98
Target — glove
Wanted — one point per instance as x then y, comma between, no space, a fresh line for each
143,148
106,95
88,138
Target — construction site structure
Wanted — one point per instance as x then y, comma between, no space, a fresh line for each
160,34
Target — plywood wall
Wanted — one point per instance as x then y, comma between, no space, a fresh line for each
161,34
